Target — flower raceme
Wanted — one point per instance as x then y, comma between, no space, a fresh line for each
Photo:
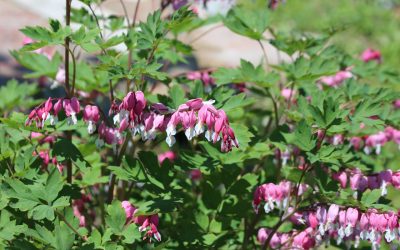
368,143
337,79
360,182
276,195
91,115
195,117
334,222
148,223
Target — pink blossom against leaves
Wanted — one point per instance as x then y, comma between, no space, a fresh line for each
275,195
91,115
337,79
195,175
371,55
335,222
288,93
360,182
195,117
396,104
147,223
170,155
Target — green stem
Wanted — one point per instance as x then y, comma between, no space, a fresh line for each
113,178
70,226
264,51
66,45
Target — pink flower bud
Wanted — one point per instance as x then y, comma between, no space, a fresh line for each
129,210
371,55
195,104
91,113
341,177
170,155
312,220
129,101
396,179
352,216
262,235
333,212
396,104
140,102
288,93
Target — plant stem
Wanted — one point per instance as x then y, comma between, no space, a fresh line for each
275,108
70,226
69,162
125,12
66,42
276,227
96,19
118,162
264,51
205,33
67,86
128,82
73,70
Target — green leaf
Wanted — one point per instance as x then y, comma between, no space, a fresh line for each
249,21
16,94
61,202
131,234
116,217
247,72
64,237
8,228
54,185
202,220
39,64
64,150
301,137
42,211
370,197
177,95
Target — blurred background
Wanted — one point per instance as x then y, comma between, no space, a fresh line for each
360,24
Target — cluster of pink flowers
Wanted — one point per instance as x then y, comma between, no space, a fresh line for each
376,141
209,82
337,79
371,55
351,224
291,240
147,224
195,116
367,142
343,224
276,195
204,77
360,182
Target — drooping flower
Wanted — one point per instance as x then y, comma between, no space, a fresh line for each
337,79
371,55
375,141
195,174
91,115
147,224
170,155
71,108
